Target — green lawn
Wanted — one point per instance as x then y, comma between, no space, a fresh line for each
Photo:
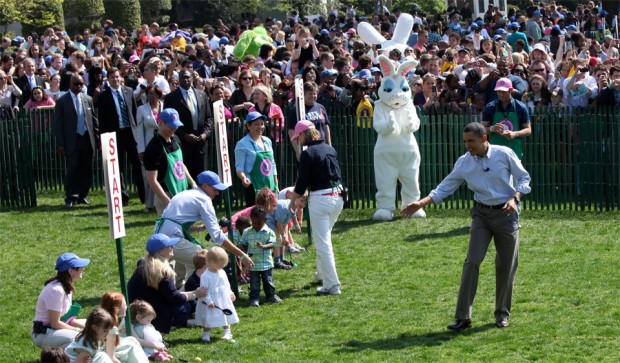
400,282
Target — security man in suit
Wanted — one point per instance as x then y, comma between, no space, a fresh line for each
191,104
76,130
117,113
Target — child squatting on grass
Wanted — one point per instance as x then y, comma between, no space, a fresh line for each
260,240
210,309
142,314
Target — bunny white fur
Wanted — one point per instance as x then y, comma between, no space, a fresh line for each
397,156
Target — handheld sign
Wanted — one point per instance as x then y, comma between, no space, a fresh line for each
221,143
112,177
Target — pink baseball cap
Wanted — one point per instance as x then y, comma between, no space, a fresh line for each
503,84
351,31
300,127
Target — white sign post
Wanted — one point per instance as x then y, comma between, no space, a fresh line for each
221,143
300,106
112,176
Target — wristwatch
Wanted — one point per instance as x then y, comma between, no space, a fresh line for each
517,199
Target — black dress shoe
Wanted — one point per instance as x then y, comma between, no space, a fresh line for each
70,202
502,323
460,325
83,201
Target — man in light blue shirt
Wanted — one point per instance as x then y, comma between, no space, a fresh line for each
488,171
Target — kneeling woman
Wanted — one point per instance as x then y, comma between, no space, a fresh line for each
153,282
319,172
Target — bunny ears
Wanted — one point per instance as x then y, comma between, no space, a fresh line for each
387,67
399,40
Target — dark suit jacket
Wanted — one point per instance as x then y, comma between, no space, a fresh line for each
24,85
109,117
65,122
606,98
175,100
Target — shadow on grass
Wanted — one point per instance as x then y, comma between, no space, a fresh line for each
127,225
404,341
343,226
452,233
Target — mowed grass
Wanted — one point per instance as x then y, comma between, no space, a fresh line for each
399,280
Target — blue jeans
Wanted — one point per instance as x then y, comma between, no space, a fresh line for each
180,314
268,286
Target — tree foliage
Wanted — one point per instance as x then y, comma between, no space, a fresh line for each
154,11
124,13
33,14
81,14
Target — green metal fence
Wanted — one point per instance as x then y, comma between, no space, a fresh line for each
573,158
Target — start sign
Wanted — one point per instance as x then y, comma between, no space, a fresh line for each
221,143
112,176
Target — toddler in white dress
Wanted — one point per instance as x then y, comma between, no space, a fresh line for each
210,309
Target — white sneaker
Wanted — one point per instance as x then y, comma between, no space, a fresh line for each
292,249
334,290
205,336
227,335
298,247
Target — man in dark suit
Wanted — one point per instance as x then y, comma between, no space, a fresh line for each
609,97
76,130
117,113
29,80
191,104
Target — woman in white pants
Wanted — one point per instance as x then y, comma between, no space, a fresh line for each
319,173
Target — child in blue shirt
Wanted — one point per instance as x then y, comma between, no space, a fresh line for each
260,240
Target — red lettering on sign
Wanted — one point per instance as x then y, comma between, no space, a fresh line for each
117,204
118,222
115,189
112,150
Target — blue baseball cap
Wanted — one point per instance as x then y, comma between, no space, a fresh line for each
473,26
159,241
536,13
501,31
375,70
572,28
480,22
329,73
363,74
324,32
70,260
514,25
497,37
170,117
209,177
224,40
253,116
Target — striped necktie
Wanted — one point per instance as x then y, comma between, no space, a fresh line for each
123,107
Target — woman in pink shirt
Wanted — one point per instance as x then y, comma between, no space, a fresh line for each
52,328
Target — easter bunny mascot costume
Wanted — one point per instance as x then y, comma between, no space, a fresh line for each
397,156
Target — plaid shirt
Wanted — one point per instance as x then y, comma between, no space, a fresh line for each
433,38
261,257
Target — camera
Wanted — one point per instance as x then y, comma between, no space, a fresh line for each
160,51
142,85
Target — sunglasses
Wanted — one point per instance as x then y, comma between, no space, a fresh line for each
538,70
246,78
519,71
337,43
